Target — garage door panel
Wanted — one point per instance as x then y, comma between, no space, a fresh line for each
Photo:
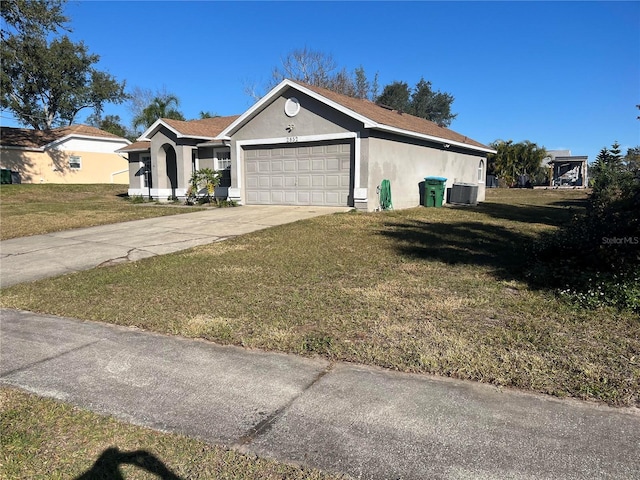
304,198
317,174
304,164
290,197
333,164
303,181
332,181
332,197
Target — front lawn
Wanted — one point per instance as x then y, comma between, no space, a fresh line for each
32,209
429,290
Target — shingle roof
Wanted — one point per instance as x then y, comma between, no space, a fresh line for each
141,146
28,138
393,118
206,127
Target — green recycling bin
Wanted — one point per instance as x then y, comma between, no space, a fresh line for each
434,191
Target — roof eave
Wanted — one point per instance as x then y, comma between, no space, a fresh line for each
432,138
277,91
147,134
26,149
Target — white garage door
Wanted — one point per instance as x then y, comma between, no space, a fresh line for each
310,174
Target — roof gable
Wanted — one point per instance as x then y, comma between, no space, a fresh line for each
205,129
370,114
29,139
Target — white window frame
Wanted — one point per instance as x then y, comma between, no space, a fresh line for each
481,176
222,163
75,159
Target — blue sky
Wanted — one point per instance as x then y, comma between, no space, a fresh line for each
565,75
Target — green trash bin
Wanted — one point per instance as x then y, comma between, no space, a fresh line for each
5,176
434,191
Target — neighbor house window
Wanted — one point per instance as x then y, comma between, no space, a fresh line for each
223,160
481,171
75,162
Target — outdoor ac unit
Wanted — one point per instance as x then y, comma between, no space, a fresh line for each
465,193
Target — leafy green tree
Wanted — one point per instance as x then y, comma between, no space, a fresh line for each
515,159
47,82
632,160
396,95
165,106
31,17
110,123
434,106
422,101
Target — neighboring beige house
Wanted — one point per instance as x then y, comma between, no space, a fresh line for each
74,154
303,145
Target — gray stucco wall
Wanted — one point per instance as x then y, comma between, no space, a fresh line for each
314,118
134,169
405,164
183,149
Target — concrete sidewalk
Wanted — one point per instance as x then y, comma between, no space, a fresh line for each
41,256
364,421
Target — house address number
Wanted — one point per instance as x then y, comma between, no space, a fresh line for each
292,139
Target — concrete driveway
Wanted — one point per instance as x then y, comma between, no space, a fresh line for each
41,256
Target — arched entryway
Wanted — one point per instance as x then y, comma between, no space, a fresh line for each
167,158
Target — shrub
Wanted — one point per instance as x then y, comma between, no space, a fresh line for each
595,260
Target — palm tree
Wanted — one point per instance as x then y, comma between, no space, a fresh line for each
165,106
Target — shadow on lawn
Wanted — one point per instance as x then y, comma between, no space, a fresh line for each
469,243
555,214
508,252
107,466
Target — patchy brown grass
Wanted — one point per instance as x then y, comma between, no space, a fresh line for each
45,439
32,209
439,291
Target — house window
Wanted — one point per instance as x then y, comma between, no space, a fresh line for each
145,160
223,160
75,162
481,171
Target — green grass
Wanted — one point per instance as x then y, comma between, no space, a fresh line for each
31,209
45,439
441,291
